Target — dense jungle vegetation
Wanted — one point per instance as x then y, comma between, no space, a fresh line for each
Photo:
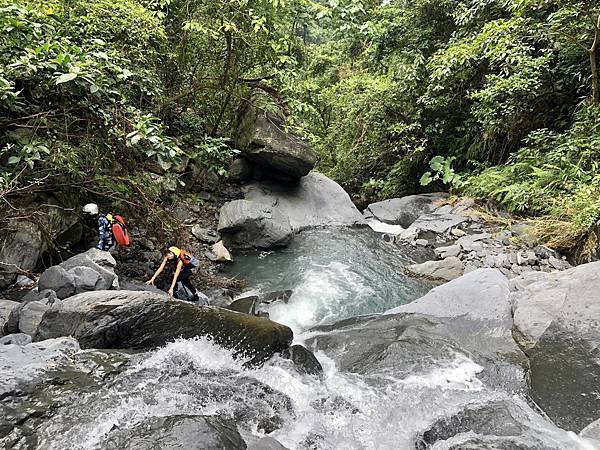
491,98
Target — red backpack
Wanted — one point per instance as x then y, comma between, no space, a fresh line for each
119,229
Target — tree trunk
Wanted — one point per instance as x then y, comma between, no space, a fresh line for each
595,86
593,51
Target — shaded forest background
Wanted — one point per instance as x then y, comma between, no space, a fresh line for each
122,100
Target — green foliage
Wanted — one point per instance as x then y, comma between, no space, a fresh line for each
553,176
441,169
215,154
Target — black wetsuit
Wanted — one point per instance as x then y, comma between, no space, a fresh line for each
184,279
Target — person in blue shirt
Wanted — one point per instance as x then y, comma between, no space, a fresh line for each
106,240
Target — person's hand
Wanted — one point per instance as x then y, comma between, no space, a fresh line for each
171,293
150,282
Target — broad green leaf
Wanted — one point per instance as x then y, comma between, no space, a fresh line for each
426,179
66,77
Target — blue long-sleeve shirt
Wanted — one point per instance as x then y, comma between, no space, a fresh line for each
105,236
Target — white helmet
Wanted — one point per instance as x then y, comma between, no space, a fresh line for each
91,208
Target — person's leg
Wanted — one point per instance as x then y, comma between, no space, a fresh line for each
184,279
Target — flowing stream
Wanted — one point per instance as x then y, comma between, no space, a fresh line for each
335,275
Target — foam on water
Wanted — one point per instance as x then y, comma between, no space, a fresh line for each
334,274
342,411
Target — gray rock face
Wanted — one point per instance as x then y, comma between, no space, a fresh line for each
444,270
86,279
179,432
557,323
30,316
404,211
266,443
505,421
267,144
23,242
137,319
313,202
592,432
20,249
247,224
99,261
304,360
436,223
6,308
22,364
205,235
16,339
58,280
479,309
240,170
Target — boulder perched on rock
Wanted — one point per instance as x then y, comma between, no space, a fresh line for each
248,224
557,323
404,211
314,202
6,308
444,270
137,319
263,139
178,432
58,280
101,262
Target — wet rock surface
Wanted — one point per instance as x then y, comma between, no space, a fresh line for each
557,323
179,432
504,423
137,319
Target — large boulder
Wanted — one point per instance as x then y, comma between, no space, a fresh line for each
404,211
20,249
138,319
557,323
6,308
24,241
477,310
178,432
247,224
444,270
99,261
263,139
502,424
30,316
466,319
22,364
313,202
58,280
